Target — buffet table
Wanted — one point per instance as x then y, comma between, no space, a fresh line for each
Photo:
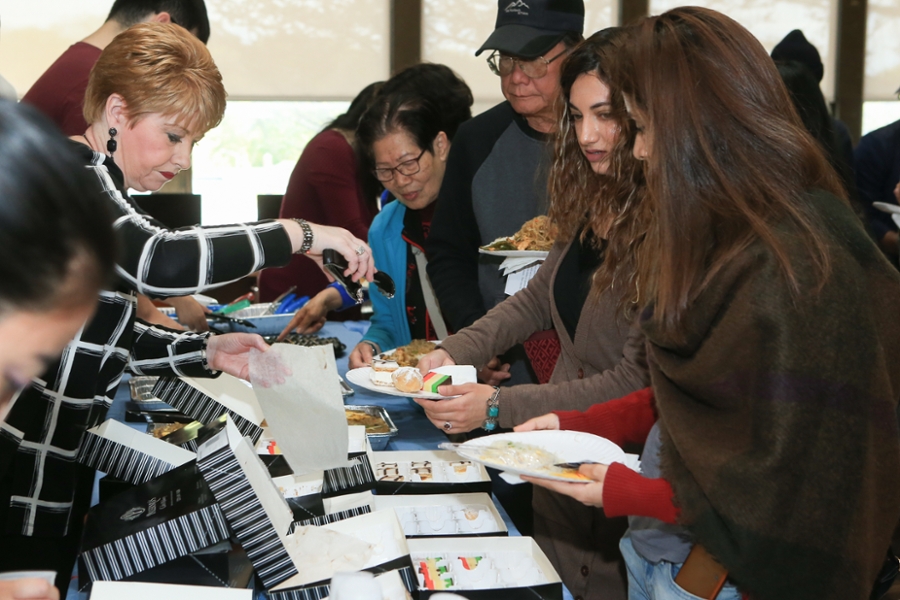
415,432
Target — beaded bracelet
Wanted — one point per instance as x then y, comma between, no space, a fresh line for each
306,246
493,411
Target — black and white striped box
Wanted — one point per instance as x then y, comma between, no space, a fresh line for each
151,524
261,519
208,399
129,455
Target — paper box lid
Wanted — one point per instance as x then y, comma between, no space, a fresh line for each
551,589
441,467
208,399
476,525
117,590
129,455
150,524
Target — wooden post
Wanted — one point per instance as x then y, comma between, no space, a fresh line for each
632,10
849,77
406,34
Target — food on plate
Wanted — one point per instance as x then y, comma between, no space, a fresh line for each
409,355
537,234
526,457
432,381
383,364
517,455
372,423
407,379
381,372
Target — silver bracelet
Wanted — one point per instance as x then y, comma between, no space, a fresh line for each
306,246
372,345
493,411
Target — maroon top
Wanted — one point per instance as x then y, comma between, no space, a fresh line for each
323,189
59,92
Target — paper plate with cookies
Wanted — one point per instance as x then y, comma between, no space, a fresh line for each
388,377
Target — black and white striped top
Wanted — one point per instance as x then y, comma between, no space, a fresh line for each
47,423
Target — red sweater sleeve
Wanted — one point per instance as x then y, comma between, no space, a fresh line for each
625,420
331,174
626,492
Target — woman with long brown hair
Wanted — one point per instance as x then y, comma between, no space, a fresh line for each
594,182
771,321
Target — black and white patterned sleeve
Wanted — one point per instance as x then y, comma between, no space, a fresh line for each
160,262
158,350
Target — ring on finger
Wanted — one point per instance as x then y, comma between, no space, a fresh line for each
448,425
360,250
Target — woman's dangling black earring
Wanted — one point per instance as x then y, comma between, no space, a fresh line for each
111,144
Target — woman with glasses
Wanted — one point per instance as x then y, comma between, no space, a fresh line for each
406,137
403,140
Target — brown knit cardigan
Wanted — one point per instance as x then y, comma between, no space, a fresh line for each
778,416
606,359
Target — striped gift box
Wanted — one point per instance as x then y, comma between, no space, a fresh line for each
261,518
129,455
256,511
208,399
149,525
358,477
332,518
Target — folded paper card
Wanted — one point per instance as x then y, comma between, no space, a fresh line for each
128,454
305,412
459,374
208,399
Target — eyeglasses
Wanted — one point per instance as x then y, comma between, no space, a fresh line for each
502,65
407,167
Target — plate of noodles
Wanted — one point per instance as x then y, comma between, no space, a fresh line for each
534,239
539,453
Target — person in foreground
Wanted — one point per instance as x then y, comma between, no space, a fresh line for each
593,181
773,342
153,92
57,243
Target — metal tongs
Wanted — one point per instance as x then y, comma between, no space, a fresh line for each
336,264
227,319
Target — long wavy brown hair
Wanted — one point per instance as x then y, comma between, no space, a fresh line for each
580,199
730,161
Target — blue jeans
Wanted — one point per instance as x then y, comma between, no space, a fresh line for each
648,581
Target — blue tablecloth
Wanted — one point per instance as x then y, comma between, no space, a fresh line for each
415,431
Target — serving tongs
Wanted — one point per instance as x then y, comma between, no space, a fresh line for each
227,319
336,264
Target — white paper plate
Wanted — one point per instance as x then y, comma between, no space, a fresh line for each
886,207
516,253
360,377
568,446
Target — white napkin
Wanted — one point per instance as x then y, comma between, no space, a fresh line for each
306,412
513,264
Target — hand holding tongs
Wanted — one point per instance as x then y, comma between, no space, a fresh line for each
336,264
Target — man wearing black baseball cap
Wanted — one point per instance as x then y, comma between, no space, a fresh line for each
496,180
496,175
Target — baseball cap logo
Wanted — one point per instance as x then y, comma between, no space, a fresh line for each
518,7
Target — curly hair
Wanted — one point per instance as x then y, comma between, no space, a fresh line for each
158,68
580,199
